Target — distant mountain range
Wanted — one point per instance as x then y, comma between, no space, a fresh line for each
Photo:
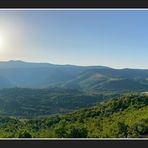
45,75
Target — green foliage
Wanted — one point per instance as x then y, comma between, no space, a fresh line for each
60,130
77,132
24,134
123,117
30,103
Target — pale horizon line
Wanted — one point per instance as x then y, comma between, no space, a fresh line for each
70,64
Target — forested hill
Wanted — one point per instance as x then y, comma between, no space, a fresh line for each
123,117
28,103
96,78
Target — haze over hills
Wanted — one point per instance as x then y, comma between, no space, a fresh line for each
34,75
45,75
48,100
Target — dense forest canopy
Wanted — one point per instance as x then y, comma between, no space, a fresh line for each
41,100
122,117
28,103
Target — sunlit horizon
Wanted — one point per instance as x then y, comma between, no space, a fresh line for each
116,39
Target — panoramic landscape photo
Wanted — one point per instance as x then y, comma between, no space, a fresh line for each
73,74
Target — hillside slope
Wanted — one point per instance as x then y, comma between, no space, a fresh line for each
29,103
92,78
123,117
95,80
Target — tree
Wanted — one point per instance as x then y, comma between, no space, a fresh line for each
25,134
78,132
119,130
60,130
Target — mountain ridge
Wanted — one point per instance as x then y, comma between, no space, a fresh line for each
45,75
92,66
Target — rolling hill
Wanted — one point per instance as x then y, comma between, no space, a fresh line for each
45,75
28,103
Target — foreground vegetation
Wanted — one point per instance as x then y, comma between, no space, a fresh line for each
123,117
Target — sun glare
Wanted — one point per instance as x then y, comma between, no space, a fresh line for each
1,42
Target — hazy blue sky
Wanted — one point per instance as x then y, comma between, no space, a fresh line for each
115,38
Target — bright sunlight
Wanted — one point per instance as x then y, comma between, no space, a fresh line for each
1,42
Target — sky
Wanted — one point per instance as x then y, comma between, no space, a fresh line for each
113,38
